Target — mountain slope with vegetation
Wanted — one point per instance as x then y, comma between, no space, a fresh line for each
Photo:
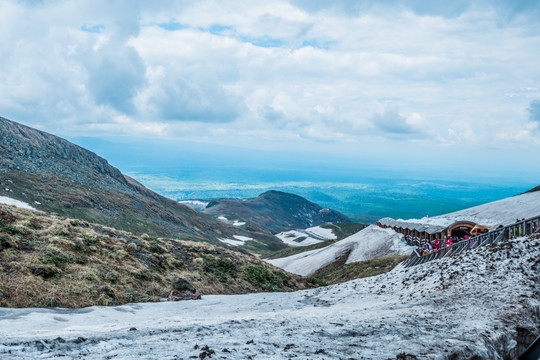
274,211
49,260
57,176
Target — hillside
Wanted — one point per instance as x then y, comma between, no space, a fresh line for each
48,261
57,176
369,243
483,304
274,211
374,242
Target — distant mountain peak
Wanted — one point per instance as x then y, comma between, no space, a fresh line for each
275,211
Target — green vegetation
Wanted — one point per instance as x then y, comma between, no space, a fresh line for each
263,278
338,273
223,269
49,260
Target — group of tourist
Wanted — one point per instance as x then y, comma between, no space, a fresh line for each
425,246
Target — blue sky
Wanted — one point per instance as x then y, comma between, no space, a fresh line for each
433,85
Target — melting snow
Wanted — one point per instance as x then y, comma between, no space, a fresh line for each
233,223
237,241
20,204
291,238
452,308
327,234
369,243
195,204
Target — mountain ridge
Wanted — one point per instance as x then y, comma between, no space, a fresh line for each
274,211
58,176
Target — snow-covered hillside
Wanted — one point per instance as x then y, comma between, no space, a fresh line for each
374,242
369,243
484,304
504,212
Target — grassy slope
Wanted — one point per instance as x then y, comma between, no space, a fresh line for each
339,272
49,260
130,212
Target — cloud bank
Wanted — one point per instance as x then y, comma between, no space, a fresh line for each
342,75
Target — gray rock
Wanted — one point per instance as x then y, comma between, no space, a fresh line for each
183,285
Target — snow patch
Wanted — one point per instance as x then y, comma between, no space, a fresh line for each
236,222
369,243
17,203
238,240
194,204
292,238
328,234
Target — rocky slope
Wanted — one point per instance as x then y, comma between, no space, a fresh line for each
48,260
57,176
274,211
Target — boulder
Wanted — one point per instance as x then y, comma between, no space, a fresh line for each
182,285
175,295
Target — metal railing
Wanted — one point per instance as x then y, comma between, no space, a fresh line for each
519,228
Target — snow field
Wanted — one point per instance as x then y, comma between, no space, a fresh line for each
369,243
503,212
463,306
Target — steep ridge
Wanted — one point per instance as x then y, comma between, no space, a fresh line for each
57,176
275,211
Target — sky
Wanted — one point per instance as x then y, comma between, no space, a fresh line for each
436,85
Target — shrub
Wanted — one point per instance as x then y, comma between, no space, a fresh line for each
261,278
221,268
57,258
131,247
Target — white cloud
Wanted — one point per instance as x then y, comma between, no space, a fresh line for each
283,72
